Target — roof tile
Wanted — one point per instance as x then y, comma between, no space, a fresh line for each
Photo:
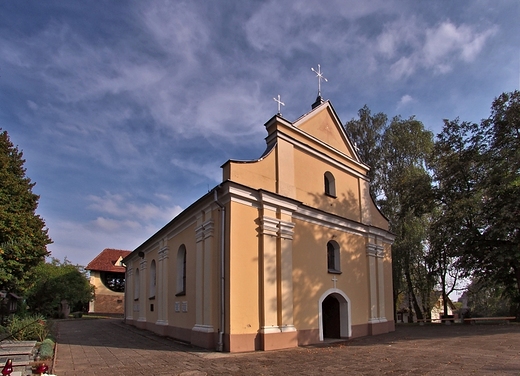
106,260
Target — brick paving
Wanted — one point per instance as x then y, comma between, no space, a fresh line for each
109,347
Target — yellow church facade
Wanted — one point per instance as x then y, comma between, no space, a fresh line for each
288,250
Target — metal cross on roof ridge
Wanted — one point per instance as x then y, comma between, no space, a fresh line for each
280,103
320,76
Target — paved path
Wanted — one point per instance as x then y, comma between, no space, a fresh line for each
109,347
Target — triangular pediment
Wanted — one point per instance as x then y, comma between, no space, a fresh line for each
323,124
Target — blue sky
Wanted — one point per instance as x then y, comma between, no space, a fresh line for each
125,110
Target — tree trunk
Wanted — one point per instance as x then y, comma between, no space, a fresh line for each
416,307
516,270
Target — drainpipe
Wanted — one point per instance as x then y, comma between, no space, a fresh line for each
220,344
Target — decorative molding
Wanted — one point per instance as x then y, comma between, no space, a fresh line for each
209,228
286,230
270,329
269,226
163,253
324,157
372,250
380,251
204,231
276,202
288,328
203,328
377,320
199,233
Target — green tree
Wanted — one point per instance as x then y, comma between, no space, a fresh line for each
401,185
23,236
478,172
455,167
488,301
493,252
367,134
407,200
54,282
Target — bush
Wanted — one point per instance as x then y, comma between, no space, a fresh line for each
30,328
46,350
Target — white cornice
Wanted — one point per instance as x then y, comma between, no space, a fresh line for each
264,199
323,156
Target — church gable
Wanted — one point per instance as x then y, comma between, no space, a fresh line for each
323,124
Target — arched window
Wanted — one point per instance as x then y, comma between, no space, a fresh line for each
333,262
136,284
330,184
181,271
153,279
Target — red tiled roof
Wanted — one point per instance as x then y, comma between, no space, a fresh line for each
106,260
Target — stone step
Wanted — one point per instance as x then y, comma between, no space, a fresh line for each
21,353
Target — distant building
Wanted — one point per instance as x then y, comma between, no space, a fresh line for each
107,275
438,309
288,250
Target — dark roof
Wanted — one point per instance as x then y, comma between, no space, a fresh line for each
106,261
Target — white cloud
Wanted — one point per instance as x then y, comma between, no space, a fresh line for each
284,28
210,170
81,241
179,28
33,106
409,46
121,223
122,206
405,99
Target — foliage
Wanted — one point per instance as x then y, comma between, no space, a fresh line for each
478,170
23,236
54,282
486,300
494,251
407,199
453,204
367,135
401,185
29,328
46,349
455,171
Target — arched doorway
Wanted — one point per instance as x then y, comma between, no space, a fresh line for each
334,314
331,317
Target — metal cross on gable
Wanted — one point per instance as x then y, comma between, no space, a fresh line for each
280,103
334,280
320,76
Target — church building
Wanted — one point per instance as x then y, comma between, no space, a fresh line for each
289,249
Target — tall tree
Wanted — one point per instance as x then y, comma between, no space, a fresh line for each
406,146
456,172
23,236
397,154
478,174
494,252
367,134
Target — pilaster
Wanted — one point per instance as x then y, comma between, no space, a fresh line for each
129,294
162,278
142,290
372,282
